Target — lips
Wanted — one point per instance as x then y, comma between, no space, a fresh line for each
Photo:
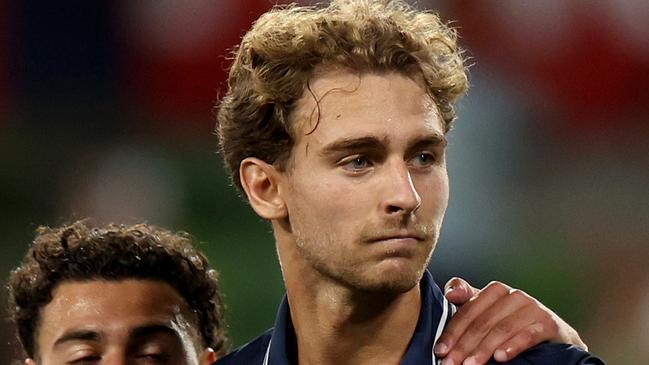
398,237
397,245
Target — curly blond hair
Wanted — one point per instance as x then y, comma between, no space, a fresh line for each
278,56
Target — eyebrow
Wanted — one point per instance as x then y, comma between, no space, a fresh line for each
137,333
371,142
153,329
347,144
434,140
77,335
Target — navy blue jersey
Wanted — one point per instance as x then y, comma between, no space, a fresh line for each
278,346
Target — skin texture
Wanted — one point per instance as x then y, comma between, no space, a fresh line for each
498,321
386,195
129,322
356,216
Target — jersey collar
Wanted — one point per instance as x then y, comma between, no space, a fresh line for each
434,314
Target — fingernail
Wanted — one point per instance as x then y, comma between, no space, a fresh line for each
470,361
440,348
449,289
501,355
448,362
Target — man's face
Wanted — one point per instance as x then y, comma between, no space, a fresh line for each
366,191
97,322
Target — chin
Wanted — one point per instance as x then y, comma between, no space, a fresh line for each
401,282
391,278
394,286
392,275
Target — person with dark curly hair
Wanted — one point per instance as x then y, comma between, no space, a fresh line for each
116,295
334,127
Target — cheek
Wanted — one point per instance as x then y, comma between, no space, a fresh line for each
434,191
315,191
327,205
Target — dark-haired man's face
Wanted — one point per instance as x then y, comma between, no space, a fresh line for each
139,322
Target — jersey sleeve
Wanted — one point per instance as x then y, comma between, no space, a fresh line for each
554,354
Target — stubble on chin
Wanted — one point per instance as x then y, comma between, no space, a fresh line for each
338,263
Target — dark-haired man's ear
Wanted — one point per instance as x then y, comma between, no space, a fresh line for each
208,357
30,362
260,182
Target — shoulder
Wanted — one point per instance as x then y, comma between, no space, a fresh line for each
554,354
251,353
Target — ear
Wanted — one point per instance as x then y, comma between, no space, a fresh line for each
208,357
30,362
260,182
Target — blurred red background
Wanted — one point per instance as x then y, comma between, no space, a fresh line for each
106,111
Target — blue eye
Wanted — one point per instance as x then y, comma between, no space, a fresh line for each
357,164
423,160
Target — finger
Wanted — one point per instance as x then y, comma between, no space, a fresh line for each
484,324
528,316
458,291
466,315
564,333
529,336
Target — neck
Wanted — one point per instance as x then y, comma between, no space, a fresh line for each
336,324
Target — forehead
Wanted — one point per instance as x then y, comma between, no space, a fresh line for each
345,103
110,306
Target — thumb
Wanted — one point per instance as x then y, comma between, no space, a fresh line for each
458,291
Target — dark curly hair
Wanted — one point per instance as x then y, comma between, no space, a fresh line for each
279,55
78,252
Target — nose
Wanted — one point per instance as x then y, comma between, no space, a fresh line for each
115,358
113,361
401,196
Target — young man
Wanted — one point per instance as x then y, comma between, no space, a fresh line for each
334,126
116,295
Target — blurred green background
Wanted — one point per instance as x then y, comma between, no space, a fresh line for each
105,112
